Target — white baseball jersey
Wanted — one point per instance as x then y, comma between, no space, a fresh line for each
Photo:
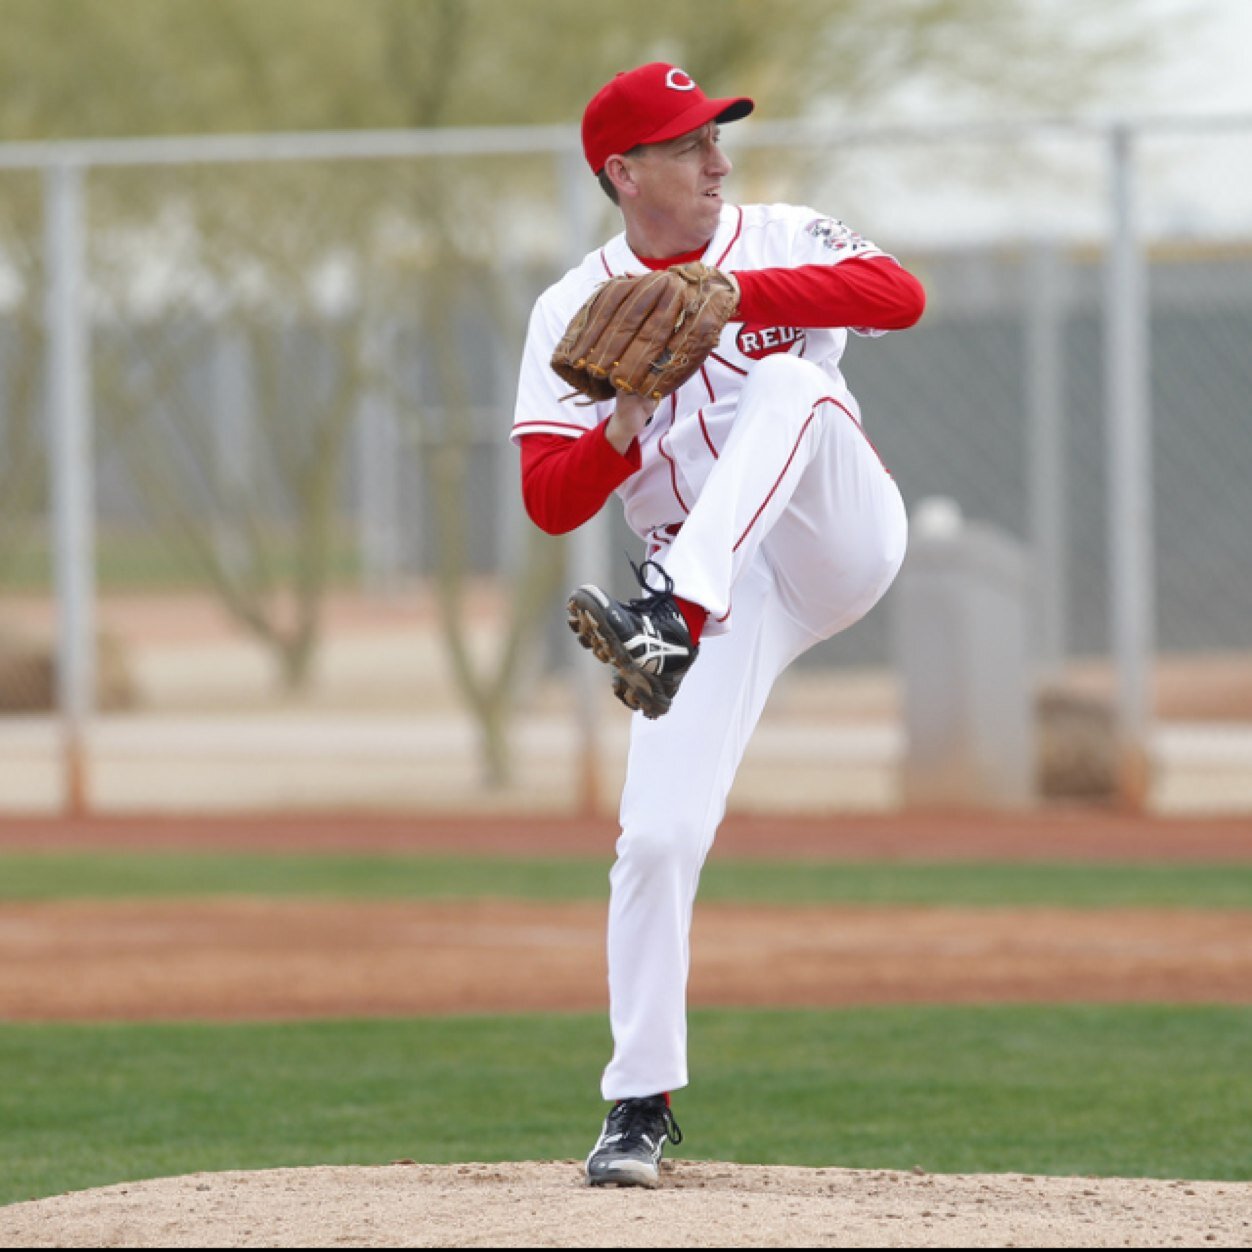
682,443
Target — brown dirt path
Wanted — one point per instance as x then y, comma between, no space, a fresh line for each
274,959
262,959
1059,835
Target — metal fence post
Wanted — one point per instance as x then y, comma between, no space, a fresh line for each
71,469
1045,410
1128,418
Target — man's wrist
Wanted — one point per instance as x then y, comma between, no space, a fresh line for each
619,433
628,421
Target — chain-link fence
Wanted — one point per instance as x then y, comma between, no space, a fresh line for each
303,562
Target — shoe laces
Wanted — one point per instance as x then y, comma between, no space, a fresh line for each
633,1118
662,599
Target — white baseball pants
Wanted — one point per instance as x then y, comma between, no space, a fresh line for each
797,534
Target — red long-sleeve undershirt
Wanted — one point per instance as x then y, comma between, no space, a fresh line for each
565,482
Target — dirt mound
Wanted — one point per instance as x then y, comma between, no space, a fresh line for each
701,1205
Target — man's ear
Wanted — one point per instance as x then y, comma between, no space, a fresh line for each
620,175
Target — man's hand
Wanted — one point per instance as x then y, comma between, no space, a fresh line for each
629,419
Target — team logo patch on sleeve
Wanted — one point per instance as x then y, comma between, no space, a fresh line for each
833,234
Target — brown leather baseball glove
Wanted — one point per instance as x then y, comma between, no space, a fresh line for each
645,333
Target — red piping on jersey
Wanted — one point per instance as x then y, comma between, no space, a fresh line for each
721,360
734,239
796,448
769,495
542,427
673,467
864,436
704,430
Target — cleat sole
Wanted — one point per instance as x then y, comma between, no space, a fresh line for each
635,688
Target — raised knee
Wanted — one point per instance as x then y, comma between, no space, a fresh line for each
785,382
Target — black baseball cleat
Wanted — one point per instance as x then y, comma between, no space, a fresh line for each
628,1152
645,640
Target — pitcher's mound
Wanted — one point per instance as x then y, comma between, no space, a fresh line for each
701,1205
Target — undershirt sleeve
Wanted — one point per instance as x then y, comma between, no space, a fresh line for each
871,293
566,482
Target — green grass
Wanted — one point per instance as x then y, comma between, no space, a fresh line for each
52,876
1114,1091
1156,1091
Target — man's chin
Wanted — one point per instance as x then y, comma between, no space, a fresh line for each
710,211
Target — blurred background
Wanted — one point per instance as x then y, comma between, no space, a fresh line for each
265,273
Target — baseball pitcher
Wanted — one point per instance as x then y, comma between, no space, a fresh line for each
690,366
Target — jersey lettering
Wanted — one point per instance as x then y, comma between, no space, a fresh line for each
762,341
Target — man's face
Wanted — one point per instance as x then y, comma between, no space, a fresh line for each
680,182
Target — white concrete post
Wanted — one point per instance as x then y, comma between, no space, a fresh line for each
961,617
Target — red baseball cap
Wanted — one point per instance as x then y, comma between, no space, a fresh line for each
650,104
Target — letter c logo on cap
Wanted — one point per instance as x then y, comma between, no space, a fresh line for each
679,80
